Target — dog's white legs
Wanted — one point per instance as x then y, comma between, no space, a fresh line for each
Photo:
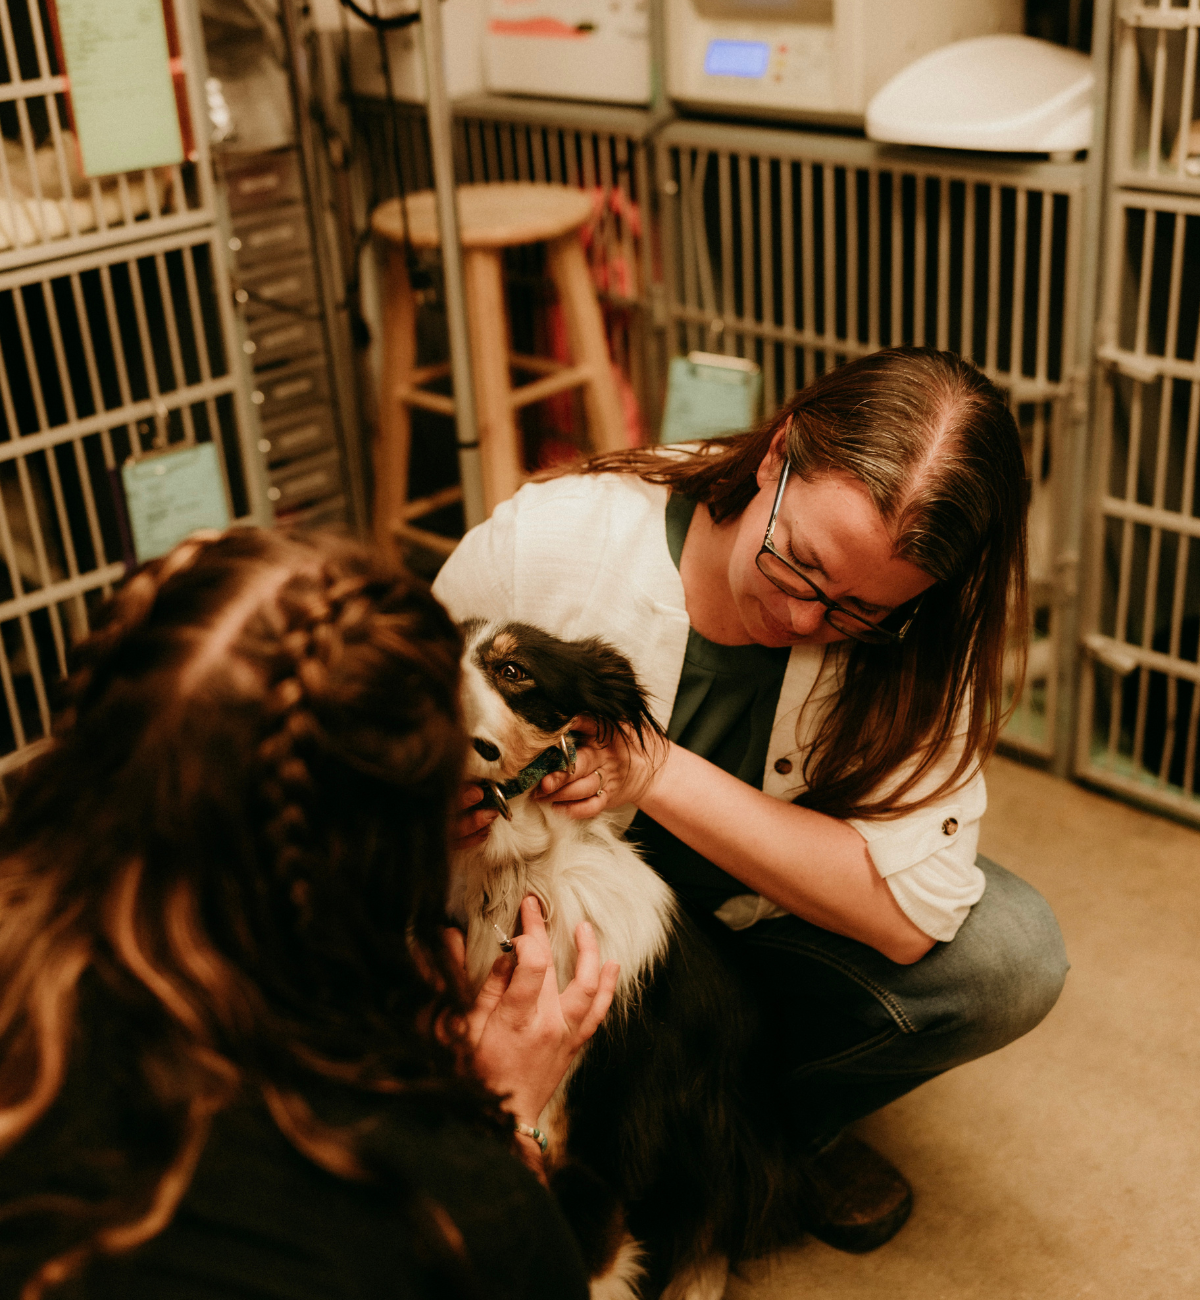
703,1281
621,1280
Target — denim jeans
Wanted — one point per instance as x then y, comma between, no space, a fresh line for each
851,1030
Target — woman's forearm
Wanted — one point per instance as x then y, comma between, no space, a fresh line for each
814,866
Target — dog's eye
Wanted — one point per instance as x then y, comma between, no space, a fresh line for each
510,672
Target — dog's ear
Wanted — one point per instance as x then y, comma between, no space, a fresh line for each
609,691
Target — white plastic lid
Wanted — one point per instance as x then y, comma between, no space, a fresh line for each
1010,93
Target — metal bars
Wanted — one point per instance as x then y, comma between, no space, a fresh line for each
1156,118
47,208
1140,709
101,355
800,252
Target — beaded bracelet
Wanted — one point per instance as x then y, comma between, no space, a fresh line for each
527,1130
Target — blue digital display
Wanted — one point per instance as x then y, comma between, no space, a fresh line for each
736,58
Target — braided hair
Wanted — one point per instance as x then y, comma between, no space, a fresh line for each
238,841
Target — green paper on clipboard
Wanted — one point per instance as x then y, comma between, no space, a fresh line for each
119,73
172,494
708,395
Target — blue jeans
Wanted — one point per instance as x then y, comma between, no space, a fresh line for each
851,1030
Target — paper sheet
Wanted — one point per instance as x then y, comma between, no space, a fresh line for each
171,495
122,96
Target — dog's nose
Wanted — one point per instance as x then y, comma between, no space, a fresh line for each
486,750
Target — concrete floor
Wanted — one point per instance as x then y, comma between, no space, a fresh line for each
1068,1164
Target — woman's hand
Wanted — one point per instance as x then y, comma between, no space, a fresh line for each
523,1031
608,775
472,828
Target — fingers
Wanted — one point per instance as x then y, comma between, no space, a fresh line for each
587,964
586,1000
456,947
489,996
597,1007
534,965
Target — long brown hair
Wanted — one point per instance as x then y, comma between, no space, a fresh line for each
236,847
933,442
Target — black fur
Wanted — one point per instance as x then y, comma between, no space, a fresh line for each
548,681
672,1107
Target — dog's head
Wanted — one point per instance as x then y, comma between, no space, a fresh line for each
523,688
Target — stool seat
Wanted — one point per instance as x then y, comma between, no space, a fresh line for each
489,216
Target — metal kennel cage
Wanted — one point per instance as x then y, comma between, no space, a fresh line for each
800,251
117,336
1139,714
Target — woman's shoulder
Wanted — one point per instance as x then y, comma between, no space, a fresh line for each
610,495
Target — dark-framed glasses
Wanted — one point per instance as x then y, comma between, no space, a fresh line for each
793,583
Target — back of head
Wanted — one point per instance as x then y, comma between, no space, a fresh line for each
237,843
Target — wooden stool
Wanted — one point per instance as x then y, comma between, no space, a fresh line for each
491,218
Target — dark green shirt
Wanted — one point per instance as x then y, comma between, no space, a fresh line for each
724,711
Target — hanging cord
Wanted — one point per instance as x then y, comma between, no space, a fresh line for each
418,277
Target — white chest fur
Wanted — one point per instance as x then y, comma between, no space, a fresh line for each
581,871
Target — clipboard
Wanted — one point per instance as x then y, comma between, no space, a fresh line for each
709,395
170,494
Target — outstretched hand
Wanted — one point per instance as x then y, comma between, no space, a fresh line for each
524,1032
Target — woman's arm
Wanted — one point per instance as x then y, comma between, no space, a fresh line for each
812,865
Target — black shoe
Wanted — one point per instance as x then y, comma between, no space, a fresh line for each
854,1198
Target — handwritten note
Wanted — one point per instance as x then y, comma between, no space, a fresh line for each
170,495
122,96
707,399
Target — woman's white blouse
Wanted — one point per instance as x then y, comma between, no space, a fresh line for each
587,556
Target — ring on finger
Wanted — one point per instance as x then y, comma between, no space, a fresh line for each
600,787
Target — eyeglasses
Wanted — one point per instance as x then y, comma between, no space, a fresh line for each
793,583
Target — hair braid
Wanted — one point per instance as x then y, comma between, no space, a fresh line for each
259,758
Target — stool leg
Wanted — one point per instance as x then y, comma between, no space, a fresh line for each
394,439
487,320
585,329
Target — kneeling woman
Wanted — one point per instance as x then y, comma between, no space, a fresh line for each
821,608
233,1058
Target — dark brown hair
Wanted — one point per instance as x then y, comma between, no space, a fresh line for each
237,846
935,445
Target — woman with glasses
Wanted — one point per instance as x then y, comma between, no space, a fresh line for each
821,608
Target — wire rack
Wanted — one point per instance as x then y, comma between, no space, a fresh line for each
1140,709
47,208
117,337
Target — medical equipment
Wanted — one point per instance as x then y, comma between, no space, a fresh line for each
999,93
814,60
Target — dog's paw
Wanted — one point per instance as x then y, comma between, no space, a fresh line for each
703,1281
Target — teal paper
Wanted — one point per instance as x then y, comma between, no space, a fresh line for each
122,95
705,401
171,495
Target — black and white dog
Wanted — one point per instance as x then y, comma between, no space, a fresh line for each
662,1151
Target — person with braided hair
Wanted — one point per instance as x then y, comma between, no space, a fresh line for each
235,1058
